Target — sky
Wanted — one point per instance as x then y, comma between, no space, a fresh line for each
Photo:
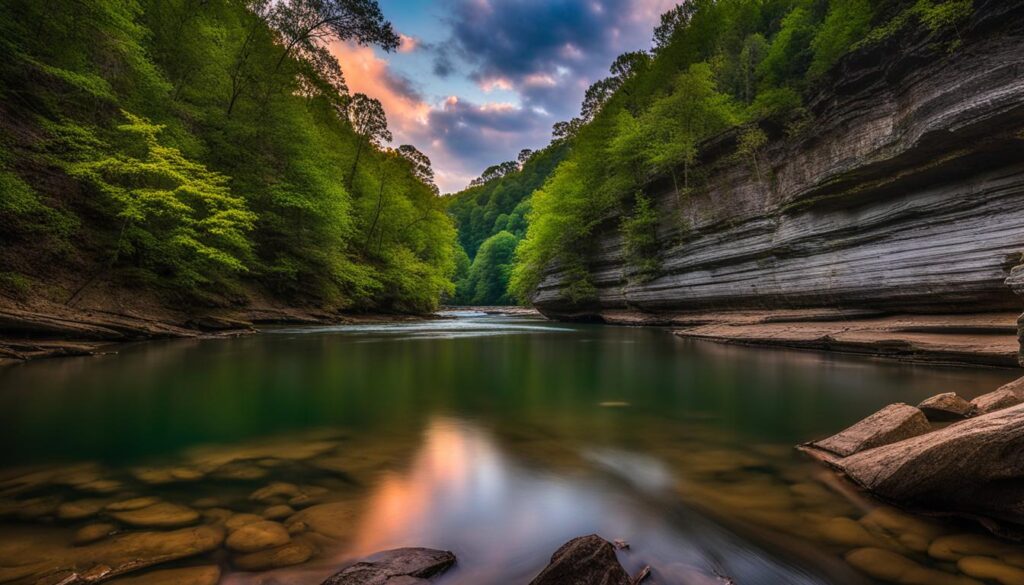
475,81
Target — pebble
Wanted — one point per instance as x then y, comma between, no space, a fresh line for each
258,536
162,515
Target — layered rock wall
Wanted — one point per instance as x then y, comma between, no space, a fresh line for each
907,195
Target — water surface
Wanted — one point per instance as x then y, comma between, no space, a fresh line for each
498,438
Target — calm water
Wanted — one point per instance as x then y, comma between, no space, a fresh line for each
497,438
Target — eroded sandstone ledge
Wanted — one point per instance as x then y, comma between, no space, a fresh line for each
908,197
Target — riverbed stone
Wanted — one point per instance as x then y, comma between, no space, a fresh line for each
161,515
239,520
80,509
134,551
132,504
274,491
583,561
90,533
293,553
208,575
334,520
895,568
946,407
258,536
396,567
893,423
278,512
954,547
991,569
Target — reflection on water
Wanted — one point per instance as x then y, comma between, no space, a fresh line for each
499,447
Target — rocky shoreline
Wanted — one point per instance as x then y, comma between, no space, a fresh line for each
48,330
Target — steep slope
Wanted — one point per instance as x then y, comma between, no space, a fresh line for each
906,196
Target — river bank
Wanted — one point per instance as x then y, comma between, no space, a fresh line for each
43,329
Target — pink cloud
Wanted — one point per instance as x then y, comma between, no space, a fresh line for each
408,44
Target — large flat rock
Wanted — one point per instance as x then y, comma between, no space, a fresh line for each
395,567
893,423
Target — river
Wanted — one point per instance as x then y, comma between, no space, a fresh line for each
498,438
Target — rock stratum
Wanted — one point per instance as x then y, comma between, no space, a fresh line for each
906,196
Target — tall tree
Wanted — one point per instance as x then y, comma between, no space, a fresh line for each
370,124
421,167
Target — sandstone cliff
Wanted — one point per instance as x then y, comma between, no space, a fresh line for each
906,195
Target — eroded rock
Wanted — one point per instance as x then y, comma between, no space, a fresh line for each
971,467
946,407
893,423
586,560
395,567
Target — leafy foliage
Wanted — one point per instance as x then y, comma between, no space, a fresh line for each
716,65
243,164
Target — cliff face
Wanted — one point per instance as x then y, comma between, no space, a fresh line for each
906,195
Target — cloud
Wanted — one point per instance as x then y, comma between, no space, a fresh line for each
534,46
408,44
542,54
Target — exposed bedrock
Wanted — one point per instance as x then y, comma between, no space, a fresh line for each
907,195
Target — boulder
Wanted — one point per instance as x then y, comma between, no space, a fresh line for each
973,468
946,407
1005,396
587,560
396,567
893,423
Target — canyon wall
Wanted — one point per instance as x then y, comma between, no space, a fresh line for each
905,195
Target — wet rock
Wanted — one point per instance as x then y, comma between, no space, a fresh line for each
102,486
333,520
240,472
964,468
162,515
185,576
258,536
296,527
914,533
584,561
132,504
134,551
946,407
239,520
893,423
275,490
279,512
167,475
80,509
957,546
90,533
396,567
895,568
991,569
293,553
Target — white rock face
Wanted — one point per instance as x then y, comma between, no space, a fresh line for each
907,195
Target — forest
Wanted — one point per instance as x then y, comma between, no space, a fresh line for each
209,151
744,66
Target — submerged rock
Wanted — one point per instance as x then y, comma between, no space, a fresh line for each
893,423
946,407
895,568
186,576
161,515
80,509
293,553
258,536
92,532
587,560
396,567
